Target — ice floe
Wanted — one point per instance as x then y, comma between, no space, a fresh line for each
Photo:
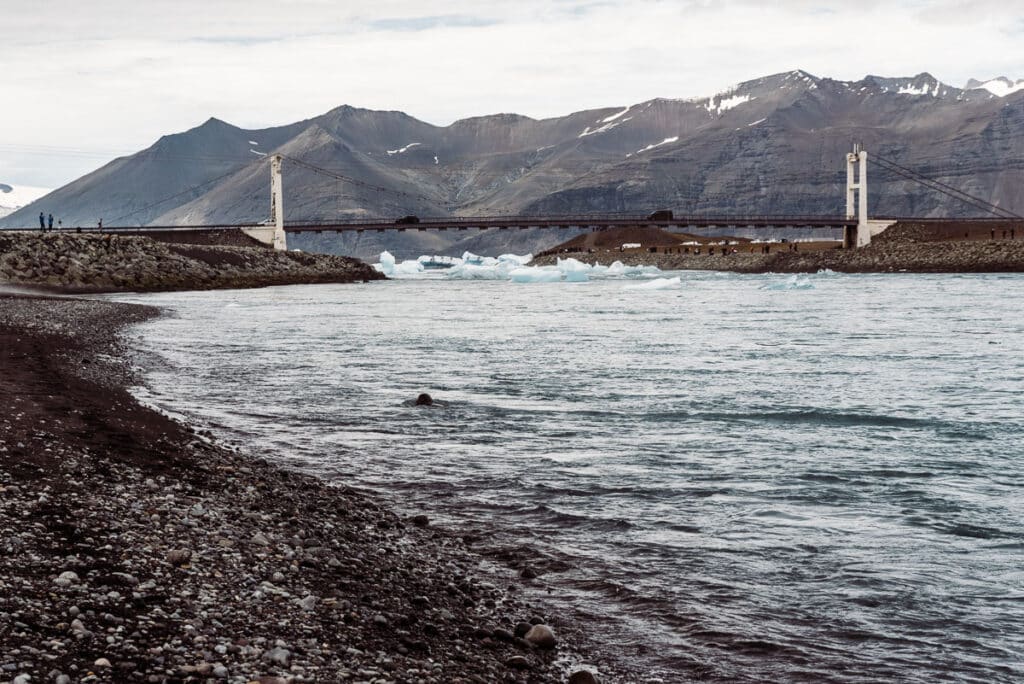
509,267
658,284
794,282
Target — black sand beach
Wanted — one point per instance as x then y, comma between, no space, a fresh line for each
135,549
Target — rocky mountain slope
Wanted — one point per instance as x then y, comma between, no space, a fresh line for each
774,145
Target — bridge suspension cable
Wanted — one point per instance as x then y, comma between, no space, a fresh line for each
363,184
175,196
944,188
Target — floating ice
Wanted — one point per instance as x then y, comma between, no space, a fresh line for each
575,271
511,267
657,284
390,268
475,267
794,282
619,269
535,274
387,263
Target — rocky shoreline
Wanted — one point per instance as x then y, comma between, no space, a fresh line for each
901,248
90,262
135,549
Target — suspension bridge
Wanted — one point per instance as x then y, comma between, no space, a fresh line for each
857,228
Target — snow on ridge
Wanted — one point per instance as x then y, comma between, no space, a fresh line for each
719,104
1001,87
613,117
253,142
923,89
402,150
757,122
603,129
666,141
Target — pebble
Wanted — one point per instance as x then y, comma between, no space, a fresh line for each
179,556
66,579
541,636
582,677
518,663
278,656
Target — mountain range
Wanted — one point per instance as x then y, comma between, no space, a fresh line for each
773,145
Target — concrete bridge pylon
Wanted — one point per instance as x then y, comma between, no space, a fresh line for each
857,201
272,232
277,203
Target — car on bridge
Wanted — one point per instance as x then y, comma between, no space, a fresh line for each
661,215
407,220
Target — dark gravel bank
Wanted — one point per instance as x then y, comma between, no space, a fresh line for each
132,549
907,247
69,262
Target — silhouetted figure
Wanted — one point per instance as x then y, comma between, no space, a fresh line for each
424,400
42,222
50,222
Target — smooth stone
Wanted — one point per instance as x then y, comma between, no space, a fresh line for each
518,663
101,662
582,677
541,636
278,656
503,634
522,628
179,556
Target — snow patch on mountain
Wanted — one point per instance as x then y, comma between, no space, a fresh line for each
922,89
1000,87
718,103
402,150
666,141
603,129
613,117
14,197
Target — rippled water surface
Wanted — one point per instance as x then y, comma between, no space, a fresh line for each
732,481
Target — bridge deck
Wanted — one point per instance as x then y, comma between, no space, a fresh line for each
525,222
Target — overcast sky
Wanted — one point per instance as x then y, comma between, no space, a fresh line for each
81,82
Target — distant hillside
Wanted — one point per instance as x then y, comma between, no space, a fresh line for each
774,145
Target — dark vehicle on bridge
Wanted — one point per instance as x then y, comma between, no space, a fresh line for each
661,215
407,220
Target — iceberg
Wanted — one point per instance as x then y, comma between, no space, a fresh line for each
794,282
535,274
657,284
390,268
573,270
512,267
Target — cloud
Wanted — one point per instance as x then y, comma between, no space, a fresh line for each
427,23
121,74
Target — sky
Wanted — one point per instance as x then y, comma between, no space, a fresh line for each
84,81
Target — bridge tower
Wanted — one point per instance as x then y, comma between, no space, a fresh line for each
857,196
277,203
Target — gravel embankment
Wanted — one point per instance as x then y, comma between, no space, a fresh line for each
69,262
132,549
902,248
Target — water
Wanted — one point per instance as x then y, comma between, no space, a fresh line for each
734,478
